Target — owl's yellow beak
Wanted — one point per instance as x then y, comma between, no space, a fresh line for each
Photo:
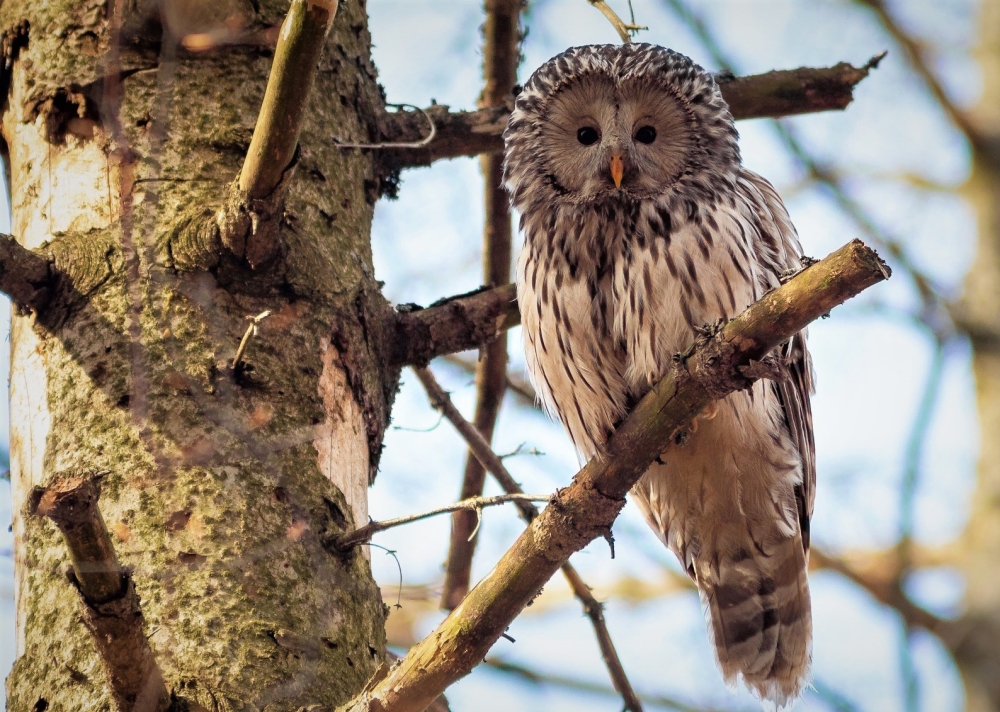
617,169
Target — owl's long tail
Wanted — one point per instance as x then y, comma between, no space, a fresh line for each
760,616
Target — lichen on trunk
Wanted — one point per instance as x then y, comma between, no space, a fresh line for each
221,483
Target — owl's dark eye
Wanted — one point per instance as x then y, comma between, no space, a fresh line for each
645,134
588,136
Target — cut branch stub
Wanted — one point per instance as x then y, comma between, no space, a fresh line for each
111,609
466,321
586,509
775,94
26,277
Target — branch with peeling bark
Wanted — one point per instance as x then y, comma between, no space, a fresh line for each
779,93
111,609
248,223
478,446
586,509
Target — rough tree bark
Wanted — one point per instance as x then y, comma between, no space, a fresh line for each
221,484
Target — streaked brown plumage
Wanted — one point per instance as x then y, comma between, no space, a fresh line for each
641,226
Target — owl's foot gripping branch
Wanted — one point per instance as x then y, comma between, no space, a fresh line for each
586,509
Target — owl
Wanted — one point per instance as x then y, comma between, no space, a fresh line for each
641,226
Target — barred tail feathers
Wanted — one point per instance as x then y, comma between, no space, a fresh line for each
759,611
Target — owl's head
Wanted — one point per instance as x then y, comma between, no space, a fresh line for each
604,121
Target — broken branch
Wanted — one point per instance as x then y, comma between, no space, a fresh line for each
466,321
494,465
775,94
111,609
586,509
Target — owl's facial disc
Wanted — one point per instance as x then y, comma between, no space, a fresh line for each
604,140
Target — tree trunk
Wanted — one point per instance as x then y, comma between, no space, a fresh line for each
221,482
978,652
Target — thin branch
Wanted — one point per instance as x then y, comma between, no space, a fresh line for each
789,92
590,688
110,605
249,222
491,461
459,323
623,29
501,49
595,612
441,401
587,508
473,504
25,276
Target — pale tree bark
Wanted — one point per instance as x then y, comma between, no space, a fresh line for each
978,650
221,484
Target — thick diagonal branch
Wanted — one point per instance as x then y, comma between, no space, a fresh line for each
110,604
586,509
249,222
440,399
788,92
501,43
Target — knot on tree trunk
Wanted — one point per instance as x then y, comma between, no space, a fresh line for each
248,227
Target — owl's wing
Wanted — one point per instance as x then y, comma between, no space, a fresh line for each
779,251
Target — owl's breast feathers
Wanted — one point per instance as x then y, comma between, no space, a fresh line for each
608,294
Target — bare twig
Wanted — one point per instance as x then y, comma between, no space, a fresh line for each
250,332
441,402
249,222
595,612
780,93
586,509
491,461
623,29
110,605
473,504
425,141
501,44
466,321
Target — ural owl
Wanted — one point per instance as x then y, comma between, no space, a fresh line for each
641,226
